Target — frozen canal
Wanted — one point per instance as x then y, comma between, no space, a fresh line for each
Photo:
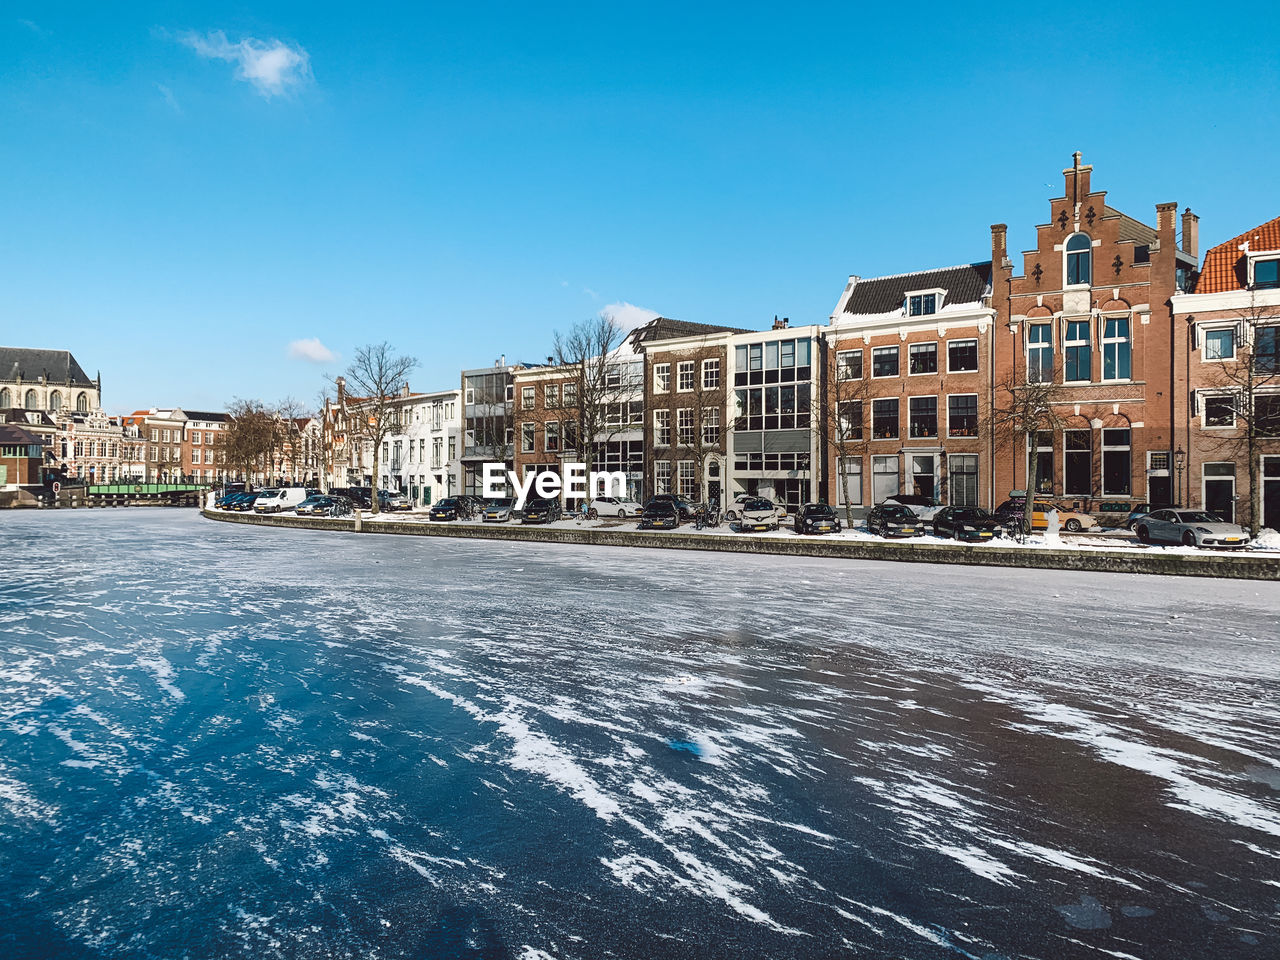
220,741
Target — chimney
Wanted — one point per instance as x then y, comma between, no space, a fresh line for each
342,388
550,361
999,245
786,322
777,324
1190,233
1077,177
1166,214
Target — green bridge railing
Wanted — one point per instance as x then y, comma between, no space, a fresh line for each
142,489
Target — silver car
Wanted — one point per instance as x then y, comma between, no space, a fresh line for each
1192,528
757,513
498,510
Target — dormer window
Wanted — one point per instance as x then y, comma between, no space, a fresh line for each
923,304
1266,273
1079,259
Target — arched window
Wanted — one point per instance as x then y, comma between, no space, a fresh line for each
1079,259
32,400
6,400
55,401
82,403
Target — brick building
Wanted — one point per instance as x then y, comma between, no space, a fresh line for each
1088,326
21,464
1229,328
906,382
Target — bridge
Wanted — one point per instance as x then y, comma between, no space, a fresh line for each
121,494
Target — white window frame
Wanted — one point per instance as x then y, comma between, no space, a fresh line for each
548,434
1066,255
842,365
887,376
1039,346
661,377
661,425
687,479
959,340
685,432
1087,343
936,418
1207,329
936,365
961,436
855,481
1203,397
528,442
711,374
662,476
711,426
527,398
686,372
1104,341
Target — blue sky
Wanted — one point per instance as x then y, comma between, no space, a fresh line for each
188,190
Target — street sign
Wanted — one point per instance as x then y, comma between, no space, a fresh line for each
56,486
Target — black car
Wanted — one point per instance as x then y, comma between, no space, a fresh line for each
816,518
685,508
965,523
660,514
243,503
894,520
450,508
541,510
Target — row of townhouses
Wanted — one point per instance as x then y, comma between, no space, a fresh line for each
1105,364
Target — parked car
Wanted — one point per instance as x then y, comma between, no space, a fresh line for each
447,509
278,499
391,501
757,513
1070,520
542,510
894,520
660,515
308,507
1192,528
224,502
614,507
926,508
499,510
243,503
816,518
685,508
965,523
734,510
1141,510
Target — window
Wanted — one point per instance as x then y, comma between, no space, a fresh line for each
526,442
688,482
1266,414
1266,350
195,456
1039,353
571,394
1078,456
195,437
168,437
1078,352
1115,348
922,358
1220,344
1079,259
82,403
962,415
884,419
963,483
922,416
662,476
55,401
884,478
849,365
850,481
1220,411
710,374
551,437
208,437
551,396
1043,462
923,304
526,398
962,356
684,425
684,376
884,362
1115,463
1266,273
155,436
849,420
662,428
711,426
661,377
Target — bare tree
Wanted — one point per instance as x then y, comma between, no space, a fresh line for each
249,437
1244,394
377,374
1021,411
846,411
289,411
589,350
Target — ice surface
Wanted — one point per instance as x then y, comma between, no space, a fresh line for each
272,743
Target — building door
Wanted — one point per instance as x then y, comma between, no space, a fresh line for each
923,482
1159,482
1271,492
1220,490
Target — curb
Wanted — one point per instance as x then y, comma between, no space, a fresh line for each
1227,566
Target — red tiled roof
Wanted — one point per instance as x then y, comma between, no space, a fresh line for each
1224,265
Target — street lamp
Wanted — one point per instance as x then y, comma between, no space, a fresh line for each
1179,461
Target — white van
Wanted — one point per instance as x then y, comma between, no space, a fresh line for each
279,498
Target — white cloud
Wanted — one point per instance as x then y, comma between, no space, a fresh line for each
628,315
169,98
273,66
311,350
